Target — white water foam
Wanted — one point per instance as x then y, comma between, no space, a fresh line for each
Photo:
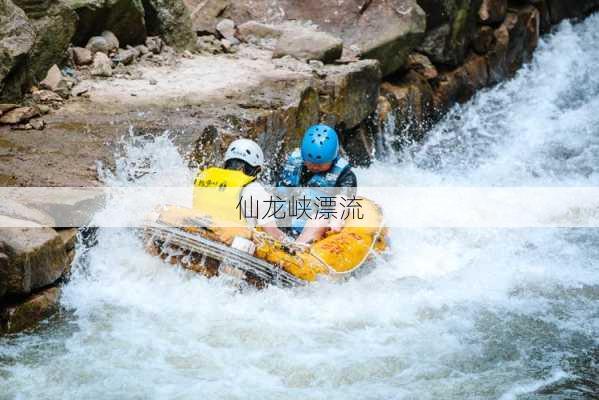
453,314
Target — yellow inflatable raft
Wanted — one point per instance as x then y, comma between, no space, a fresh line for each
192,239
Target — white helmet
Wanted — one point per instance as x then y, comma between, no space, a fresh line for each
246,150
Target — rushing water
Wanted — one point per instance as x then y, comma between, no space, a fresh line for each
485,314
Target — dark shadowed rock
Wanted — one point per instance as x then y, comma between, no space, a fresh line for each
483,41
560,9
17,36
54,23
26,313
492,11
36,258
308,44
497,54
450,26
124,18
421,64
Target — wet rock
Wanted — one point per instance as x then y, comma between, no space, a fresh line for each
483,41
125,57
102,65
56,82
154,44
492,11
545,17
17,36
82,56
69,237
475,72
560,10
208,44
226,28
36,258
172,20
515,41
349,92
421,64
204,13
98,44
18,115
111,40
308,44
411,98
450,27
124,18
46,97
25,314
497,54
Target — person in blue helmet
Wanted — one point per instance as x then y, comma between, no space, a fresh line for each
318,164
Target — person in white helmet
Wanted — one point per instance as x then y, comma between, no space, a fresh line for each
244,160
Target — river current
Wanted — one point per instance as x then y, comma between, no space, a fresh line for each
452,314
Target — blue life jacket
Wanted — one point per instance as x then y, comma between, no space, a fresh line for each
291,177
292,172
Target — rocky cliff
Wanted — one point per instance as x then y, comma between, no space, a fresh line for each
77,75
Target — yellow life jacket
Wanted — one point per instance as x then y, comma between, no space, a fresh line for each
217,192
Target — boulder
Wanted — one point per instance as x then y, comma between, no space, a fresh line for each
17,36
204,13
18,115
385,30
54,23
421,64
307,44
411,97
56,82
264,35
27,313
172,20
154,44
125,57
124,18
208,44
545,22
349,92
82,56
102,65
7,107
97,44
226,28
46,97
484,39
450,26
560,9
496,56
492,11
111,40
36,258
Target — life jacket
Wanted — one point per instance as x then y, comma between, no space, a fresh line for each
221,194
291,177
292,172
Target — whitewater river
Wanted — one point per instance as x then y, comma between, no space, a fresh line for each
453,314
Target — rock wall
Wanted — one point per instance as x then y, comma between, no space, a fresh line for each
265,69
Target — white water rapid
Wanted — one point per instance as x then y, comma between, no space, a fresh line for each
453,314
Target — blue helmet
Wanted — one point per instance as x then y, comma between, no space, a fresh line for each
320,144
